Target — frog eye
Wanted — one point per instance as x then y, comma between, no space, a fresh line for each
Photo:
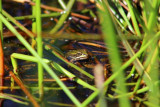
79,54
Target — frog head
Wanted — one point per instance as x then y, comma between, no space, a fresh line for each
76,55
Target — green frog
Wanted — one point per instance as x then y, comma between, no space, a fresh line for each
76,55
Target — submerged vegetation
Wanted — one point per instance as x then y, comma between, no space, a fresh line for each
79,53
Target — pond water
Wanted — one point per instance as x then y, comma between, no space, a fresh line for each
96,53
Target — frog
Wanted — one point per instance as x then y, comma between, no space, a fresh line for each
76,55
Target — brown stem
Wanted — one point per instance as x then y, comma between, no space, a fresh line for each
16,79
1,69
60,10
1,64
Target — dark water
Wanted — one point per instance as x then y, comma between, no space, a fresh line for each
28,70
